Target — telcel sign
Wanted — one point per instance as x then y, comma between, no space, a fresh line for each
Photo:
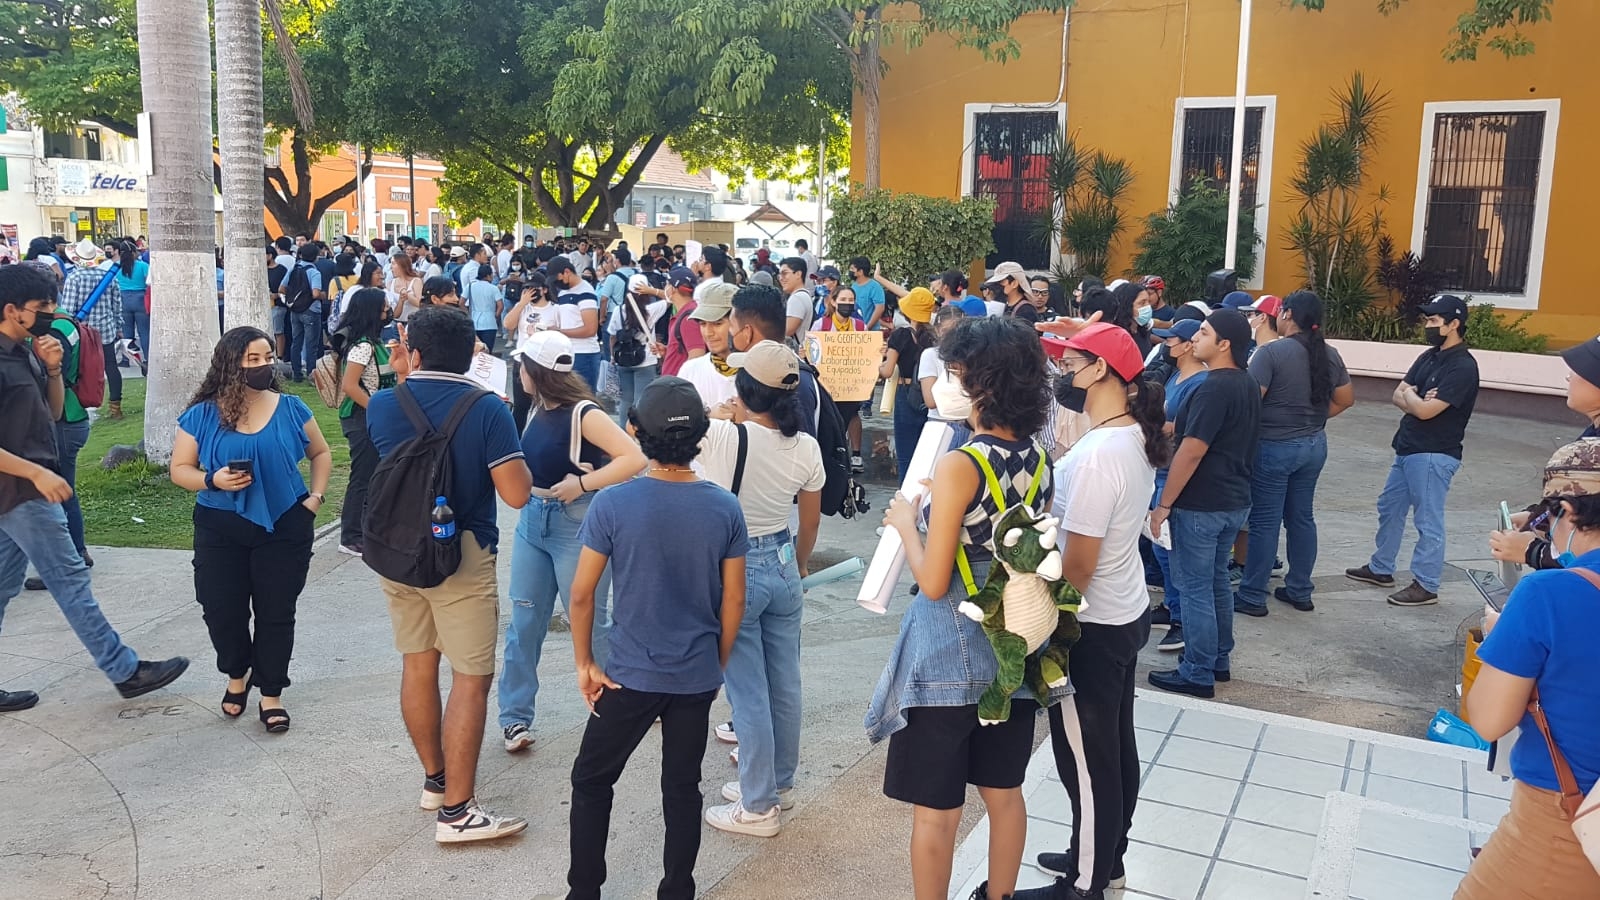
92,183
113,183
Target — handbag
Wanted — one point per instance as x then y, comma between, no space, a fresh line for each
1584,812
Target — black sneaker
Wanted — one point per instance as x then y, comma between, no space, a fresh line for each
152,676
1060,889
1065,865
1366,575
1413,594
1303,605
1249,609
1160,617
33,583
17,701
1172,641
1177,684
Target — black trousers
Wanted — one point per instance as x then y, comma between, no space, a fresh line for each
113,374
1091,733
241,571
622,718
521,402
363,462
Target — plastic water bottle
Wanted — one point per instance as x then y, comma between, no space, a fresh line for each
444,520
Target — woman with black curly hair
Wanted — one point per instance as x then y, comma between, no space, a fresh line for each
239,447
926,702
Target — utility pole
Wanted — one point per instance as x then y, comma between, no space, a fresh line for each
411,174
1236,164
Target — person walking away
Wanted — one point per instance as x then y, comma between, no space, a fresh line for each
364,357
798,308
33,526
685,341
579,316
1303,384
711,374
1103,486
460,618
133,283
484,302
900,361
303,295
1188,373
679,598
546,552
764,456
844,317
640,310
1437,396
1009,279
1207,498
238,449
1538,664
926,701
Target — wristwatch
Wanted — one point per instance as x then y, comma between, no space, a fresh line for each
320,498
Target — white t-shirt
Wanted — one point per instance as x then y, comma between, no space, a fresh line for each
1103,490
533,316
776,468
570,315
502,264
652,314
433,270
811,263
800,307
930,364
995,307
714,387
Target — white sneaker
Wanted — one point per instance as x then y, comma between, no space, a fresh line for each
431,801
733,756
730,791
350,550
517,738
725,733
735,819
476,824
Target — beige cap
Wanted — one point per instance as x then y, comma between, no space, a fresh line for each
1574,470
715,305
770,363
1007,270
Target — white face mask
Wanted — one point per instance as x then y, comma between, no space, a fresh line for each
951,401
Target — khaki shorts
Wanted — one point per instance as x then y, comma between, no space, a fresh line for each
460,618
1532,855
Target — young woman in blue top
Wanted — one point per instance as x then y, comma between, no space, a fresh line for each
926,702
133,280
253,524
1543,642
547,546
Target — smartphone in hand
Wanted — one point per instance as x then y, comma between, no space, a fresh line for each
243,466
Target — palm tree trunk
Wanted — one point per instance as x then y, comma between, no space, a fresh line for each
175,63
240,133
868,73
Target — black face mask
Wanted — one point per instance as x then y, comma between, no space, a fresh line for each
1435,335
259,378
1070,395
846,310
41,324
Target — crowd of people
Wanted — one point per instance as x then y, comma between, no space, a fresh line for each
1172,443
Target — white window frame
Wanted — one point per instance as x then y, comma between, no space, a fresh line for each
1268,103
328,217
385,220
1529,299
969,128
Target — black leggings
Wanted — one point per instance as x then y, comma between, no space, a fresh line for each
113,374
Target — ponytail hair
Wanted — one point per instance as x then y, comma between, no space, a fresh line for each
1147,404
783,406
1305,308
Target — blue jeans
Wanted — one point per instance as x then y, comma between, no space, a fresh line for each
588,366
1169,584
36,531
305,343
631,382
542,565
763,674
70,438
1282,490
1202,543
136,322
1417,483
909,417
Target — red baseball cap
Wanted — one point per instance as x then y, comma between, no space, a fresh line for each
1267,305
1112,344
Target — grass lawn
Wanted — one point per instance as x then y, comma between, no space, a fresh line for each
137,506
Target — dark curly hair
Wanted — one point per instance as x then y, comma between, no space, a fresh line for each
674,450
1002,368
224,382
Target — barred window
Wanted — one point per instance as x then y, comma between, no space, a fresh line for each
1011,156
1482,200
1208,151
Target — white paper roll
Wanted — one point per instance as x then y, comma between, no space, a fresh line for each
883,573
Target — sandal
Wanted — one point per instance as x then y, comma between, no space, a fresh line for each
241,700
275,720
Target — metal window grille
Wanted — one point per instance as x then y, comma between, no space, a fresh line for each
1010,158
1482,195
1208,149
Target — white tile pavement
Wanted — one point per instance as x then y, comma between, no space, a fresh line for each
1238,804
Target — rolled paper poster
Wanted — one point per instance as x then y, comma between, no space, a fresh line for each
883,573
832,573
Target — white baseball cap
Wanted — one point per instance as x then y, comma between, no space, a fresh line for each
547,349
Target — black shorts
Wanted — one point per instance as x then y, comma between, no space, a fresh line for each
849,409
943,749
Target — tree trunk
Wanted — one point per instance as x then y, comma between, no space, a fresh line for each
240,133
867,63
175,60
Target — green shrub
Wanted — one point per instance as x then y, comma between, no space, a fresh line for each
1488,329
911,236
1185,243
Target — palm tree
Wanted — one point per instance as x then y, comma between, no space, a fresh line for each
175,65
239,136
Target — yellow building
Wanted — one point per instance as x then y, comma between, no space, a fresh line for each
1483,160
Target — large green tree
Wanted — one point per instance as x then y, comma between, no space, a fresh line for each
1497,23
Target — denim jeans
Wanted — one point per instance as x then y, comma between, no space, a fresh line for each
305,343
763,674
909,418
36,531
588,366
70,438
1282,490
1418,483
631,382
542,565
136,323
1202,543
1172,596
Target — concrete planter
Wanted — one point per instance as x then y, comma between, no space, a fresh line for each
1523,373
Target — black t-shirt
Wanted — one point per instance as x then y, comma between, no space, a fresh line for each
1225,413
1025,311
903,341
1454,374
275,280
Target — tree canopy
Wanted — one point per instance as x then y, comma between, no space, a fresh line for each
1497,23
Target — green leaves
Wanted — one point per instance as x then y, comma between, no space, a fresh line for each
1486,22
1185,243
911,236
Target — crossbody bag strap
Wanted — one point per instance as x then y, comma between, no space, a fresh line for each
95,295
738,464
1571,796
575,434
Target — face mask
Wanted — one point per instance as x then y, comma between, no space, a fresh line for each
846,310
1070,395
41,324
1567,559
951,401
1145,315
259,378
1435,336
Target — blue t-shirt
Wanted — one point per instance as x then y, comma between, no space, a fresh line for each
487,438
666,589
1544,634
1178,391
869,297
973,307
138,282
481,299
276,451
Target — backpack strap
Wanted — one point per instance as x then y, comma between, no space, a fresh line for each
95,295
1571,795
739,461
412,409
575,434
458,413
963,565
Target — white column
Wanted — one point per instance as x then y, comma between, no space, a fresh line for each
1236,166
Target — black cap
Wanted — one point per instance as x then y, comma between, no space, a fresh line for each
1584,360
1231,326
623,257
1448,307
670,406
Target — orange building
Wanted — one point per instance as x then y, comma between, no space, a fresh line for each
384,206
1482,161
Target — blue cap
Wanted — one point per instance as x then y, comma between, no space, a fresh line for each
1183,330
681,277
1237,300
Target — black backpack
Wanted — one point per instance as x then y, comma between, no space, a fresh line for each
841,495
397,530
297,293
627,346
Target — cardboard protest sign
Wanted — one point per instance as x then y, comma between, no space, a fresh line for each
847,362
